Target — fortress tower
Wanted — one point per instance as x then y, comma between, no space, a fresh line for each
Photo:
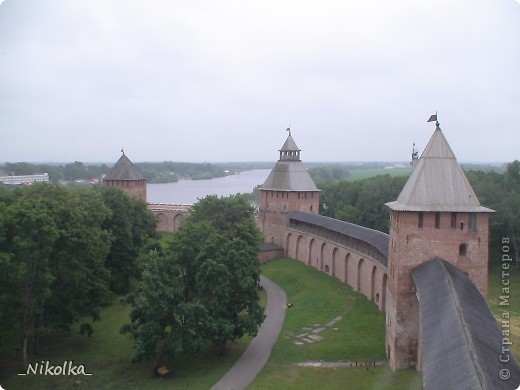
125,176
436,216
289,187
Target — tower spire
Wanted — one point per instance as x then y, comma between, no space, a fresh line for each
415,156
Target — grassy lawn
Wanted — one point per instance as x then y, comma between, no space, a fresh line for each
317,299
359,335
358,174
166,238
106,354
303,378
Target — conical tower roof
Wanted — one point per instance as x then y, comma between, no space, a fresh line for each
438,182
124,169
289,173
289,145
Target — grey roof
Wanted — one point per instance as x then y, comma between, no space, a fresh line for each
289,145
438,182
375,238
461,339
289,175
124,169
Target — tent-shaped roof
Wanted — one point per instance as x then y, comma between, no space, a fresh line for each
289,176
124,169
289,145
462,343
438,182
289,173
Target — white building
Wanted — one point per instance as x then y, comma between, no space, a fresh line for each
24,179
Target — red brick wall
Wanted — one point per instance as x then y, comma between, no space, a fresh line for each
275,207
361,272
410,246
135,188
265,256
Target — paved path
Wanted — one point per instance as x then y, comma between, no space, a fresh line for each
255,356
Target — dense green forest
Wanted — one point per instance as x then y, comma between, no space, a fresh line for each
363,201
154,172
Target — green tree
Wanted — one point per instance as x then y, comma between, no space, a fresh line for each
500,192
52,261
25,274
163,323
212,271
362,201
130,224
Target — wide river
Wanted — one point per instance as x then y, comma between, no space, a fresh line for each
189,191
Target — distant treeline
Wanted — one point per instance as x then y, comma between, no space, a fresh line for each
68,172
169,171
154,172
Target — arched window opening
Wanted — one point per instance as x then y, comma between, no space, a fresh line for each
463,250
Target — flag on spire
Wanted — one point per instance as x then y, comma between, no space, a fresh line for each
433,118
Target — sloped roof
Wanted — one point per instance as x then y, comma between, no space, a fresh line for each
289,173
375,238
438,182
461,339
124,169
289,145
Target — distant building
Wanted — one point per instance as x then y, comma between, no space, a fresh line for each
24,179
125,176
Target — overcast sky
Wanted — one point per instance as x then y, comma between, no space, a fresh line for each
222,80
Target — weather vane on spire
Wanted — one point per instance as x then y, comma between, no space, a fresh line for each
434,118
289,129
122,150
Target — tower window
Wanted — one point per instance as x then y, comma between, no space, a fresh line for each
421,219
437,220
473,222
463,250
454,220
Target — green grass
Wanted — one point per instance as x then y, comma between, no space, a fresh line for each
317,299
302,378
166,238
106,354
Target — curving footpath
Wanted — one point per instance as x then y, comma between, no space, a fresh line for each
256,354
